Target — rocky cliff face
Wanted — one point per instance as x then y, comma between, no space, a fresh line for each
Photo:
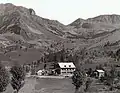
87,40
18,23
93,26
108,19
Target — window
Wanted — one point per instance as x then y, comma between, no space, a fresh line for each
69,65
64,65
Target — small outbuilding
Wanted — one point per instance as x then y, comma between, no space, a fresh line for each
99,73
42,72
39,73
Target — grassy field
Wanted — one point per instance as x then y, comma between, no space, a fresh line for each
54,86
45,86
50,85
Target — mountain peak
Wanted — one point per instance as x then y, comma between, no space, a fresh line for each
112,19
24,23
9,8
77,22
109,19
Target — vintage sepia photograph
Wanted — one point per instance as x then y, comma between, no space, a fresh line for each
59,46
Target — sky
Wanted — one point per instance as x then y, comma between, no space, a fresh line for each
67,11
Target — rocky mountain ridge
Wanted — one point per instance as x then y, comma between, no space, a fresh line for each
19,24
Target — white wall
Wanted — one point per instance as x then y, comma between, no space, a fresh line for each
67,72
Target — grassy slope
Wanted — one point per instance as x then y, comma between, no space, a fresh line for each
25,56
112,38
57,86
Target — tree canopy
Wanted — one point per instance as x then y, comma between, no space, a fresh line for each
4,78
18,76
78,78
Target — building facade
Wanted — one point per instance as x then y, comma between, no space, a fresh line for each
66,69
